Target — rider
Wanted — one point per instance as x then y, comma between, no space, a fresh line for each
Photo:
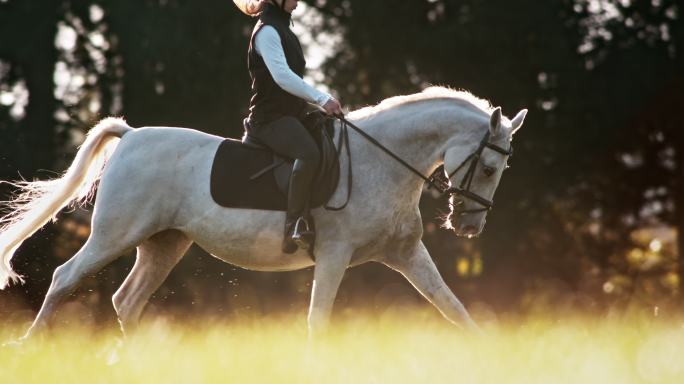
279,100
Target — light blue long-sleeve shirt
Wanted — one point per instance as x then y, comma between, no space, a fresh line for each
268,45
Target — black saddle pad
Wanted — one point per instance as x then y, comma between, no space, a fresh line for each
243,176
231,186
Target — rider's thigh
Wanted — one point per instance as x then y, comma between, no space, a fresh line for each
288,137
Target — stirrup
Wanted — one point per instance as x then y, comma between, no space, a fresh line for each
302,234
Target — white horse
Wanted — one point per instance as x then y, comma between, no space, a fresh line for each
154,195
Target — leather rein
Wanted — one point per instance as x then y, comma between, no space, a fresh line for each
437,180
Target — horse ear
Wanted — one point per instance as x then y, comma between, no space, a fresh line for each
495,122
517,121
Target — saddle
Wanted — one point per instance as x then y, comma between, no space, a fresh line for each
248,174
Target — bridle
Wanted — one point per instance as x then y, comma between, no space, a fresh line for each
463,188
438,179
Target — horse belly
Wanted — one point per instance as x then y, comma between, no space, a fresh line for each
246,238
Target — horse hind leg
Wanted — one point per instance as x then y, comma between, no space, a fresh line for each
155,259
101,248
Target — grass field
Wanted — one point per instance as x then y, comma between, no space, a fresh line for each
406,347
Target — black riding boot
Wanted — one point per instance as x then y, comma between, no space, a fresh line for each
299,229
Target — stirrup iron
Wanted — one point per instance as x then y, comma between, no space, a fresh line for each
302,234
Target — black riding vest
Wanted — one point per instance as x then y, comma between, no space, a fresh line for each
270,102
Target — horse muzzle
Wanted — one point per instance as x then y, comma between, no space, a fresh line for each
467,230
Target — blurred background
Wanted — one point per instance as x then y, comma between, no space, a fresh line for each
589,218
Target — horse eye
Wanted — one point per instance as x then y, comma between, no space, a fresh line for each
488,171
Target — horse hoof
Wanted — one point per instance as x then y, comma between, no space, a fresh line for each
113,356
14,344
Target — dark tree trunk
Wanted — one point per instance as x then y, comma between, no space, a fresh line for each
38,62
679,190
678,36
679,204
28,42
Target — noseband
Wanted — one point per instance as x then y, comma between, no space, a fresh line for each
437,180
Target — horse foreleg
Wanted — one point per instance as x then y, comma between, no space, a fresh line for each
155,259
419,269
331,262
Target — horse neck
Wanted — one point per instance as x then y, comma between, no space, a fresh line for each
419,133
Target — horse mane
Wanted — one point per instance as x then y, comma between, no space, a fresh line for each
463,97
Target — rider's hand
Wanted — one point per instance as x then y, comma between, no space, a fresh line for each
333,107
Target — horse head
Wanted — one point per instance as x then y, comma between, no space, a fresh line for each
475,176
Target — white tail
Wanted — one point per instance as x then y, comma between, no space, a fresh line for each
39,201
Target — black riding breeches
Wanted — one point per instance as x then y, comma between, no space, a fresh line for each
288,137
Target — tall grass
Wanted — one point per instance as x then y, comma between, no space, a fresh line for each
393,348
